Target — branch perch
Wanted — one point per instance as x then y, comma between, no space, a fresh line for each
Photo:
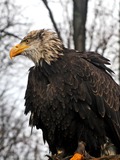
113,157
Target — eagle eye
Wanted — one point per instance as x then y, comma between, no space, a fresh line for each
27,40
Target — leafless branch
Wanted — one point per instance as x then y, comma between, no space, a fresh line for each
10,34
52,18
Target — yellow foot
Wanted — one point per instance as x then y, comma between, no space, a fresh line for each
77,156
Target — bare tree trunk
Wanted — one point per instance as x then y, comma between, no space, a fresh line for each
79,21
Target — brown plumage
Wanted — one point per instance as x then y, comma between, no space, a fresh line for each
70,94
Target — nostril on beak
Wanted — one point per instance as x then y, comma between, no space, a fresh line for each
16,46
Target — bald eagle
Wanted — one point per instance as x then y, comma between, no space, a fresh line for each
71,96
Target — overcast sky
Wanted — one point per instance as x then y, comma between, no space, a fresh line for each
38,14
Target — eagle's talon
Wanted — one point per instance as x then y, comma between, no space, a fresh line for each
77,156
81,152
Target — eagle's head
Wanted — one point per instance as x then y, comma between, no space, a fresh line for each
39,45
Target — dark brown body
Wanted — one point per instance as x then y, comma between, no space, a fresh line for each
74,99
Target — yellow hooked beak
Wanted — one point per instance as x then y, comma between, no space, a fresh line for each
18,49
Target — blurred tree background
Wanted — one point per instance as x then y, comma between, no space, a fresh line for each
81,24
16,143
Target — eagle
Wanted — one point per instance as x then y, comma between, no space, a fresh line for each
71,96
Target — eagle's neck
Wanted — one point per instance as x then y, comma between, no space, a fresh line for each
50,49
49,55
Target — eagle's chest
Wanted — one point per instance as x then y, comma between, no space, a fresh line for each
56,114
53,115
52,104
58,122
49,101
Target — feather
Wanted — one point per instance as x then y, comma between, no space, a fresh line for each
71,95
